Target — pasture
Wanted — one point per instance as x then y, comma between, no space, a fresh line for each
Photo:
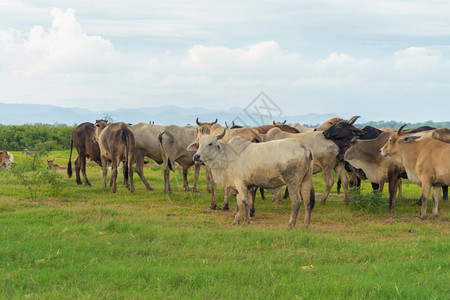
89,243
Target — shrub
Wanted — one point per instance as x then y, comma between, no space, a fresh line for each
373,202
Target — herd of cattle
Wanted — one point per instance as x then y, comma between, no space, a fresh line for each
243,159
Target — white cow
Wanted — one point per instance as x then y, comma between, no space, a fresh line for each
241,165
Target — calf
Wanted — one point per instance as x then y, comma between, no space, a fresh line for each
426,160
242,165
55,167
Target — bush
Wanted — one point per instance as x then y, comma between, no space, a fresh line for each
372,202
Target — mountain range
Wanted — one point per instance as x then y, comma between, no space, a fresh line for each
18,114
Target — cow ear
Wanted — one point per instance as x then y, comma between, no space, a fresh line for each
359,132
193,147
219,146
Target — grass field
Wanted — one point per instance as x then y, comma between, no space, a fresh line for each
89,243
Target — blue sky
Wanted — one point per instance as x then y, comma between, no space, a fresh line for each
383,60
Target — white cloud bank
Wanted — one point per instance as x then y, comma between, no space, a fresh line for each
63,65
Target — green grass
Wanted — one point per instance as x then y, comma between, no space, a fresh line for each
89,243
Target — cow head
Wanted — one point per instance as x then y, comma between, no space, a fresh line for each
208,148
395,141
5,159
203,128
99,126
343,130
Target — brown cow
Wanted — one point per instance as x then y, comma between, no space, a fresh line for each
426,160
117,144
83,138
5,159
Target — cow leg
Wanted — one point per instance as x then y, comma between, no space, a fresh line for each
399,193
77,170
242,205
208,181
140,168
328,177
295,203
340,170
83,169
167,187
426,187
104,171
394,180
185,181
130,174
261,191
225,205
381,186
252,196
213,189
436,194
114,176
277,195
196,174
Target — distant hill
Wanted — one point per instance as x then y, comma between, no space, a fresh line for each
18,114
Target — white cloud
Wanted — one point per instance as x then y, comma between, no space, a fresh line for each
417,58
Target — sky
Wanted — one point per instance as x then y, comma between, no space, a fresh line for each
380,59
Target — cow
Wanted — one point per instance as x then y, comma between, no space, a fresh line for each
426,160
55,167
324,151
5,159
27,152
117,144
84,141
248,134
241,165
147,145
174,141
365,155
327,124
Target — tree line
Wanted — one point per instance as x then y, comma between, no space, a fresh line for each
35,137
57,137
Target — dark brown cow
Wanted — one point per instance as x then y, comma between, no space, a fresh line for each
83,138
117,144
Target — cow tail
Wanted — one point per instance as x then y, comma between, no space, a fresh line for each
69,164
312,195
160,139
126,139
445,192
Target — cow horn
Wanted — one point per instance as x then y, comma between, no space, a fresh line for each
284,122
214,122
221,135
400,129
273,123
198,123
232,123
353,120
226,125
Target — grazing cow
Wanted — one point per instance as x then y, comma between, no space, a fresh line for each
324,151
426,160
241,165
174,141
248,134
84,141
117,144
147,145
55,167
5,159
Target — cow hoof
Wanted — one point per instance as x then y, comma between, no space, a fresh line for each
432,217
87,184
421,218
195,190
208,190
213,207
150,189
187,189
225,207
235,223
252,213
290,227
